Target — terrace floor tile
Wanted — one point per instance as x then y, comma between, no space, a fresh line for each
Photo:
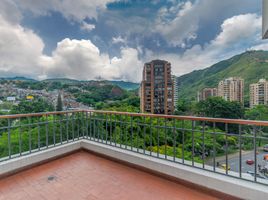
82,175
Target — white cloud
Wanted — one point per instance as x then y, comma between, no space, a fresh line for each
81,59
182,27
20,49
236,33
76,59
77,10
119,39
179,23
237,28
87,27
129,65
21,53
263,46
9,11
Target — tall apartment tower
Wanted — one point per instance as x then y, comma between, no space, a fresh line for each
232,89
157,91
258,93
206,93
176,91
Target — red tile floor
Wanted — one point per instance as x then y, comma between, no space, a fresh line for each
86,176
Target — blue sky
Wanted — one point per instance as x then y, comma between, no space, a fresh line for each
111,39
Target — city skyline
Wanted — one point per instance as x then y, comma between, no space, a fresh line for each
112,39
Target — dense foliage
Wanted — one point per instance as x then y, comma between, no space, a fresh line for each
259,112
95,93
35,106
159,135
130,104
217,107
185,107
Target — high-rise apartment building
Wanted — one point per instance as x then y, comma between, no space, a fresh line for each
176,91
258,93
206,93
232,89
157,91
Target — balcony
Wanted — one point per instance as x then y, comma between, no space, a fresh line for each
114,155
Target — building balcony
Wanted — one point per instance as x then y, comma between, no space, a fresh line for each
116,155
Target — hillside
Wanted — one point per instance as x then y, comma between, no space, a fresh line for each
251,66
61,80
17,78
126,85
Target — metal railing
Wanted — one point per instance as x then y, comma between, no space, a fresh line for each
227,146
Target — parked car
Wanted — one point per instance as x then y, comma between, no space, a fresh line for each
265,148
224,166
250,161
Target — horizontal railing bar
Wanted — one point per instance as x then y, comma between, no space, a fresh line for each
192,118
14,116
37,123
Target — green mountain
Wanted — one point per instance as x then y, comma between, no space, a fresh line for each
126,85
121,84
61,80
17,78
251,66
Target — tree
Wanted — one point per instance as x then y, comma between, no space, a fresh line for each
35,106
217,107
59,103
133,101
259,112
184,107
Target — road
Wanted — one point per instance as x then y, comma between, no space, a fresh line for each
233,160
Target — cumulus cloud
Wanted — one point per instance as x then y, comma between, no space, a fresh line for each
81,59
9,11
129,65
172,30
180,23
119,39
73,10
20,49
263,46
238,28
76,59
236,33
87,27
21,53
